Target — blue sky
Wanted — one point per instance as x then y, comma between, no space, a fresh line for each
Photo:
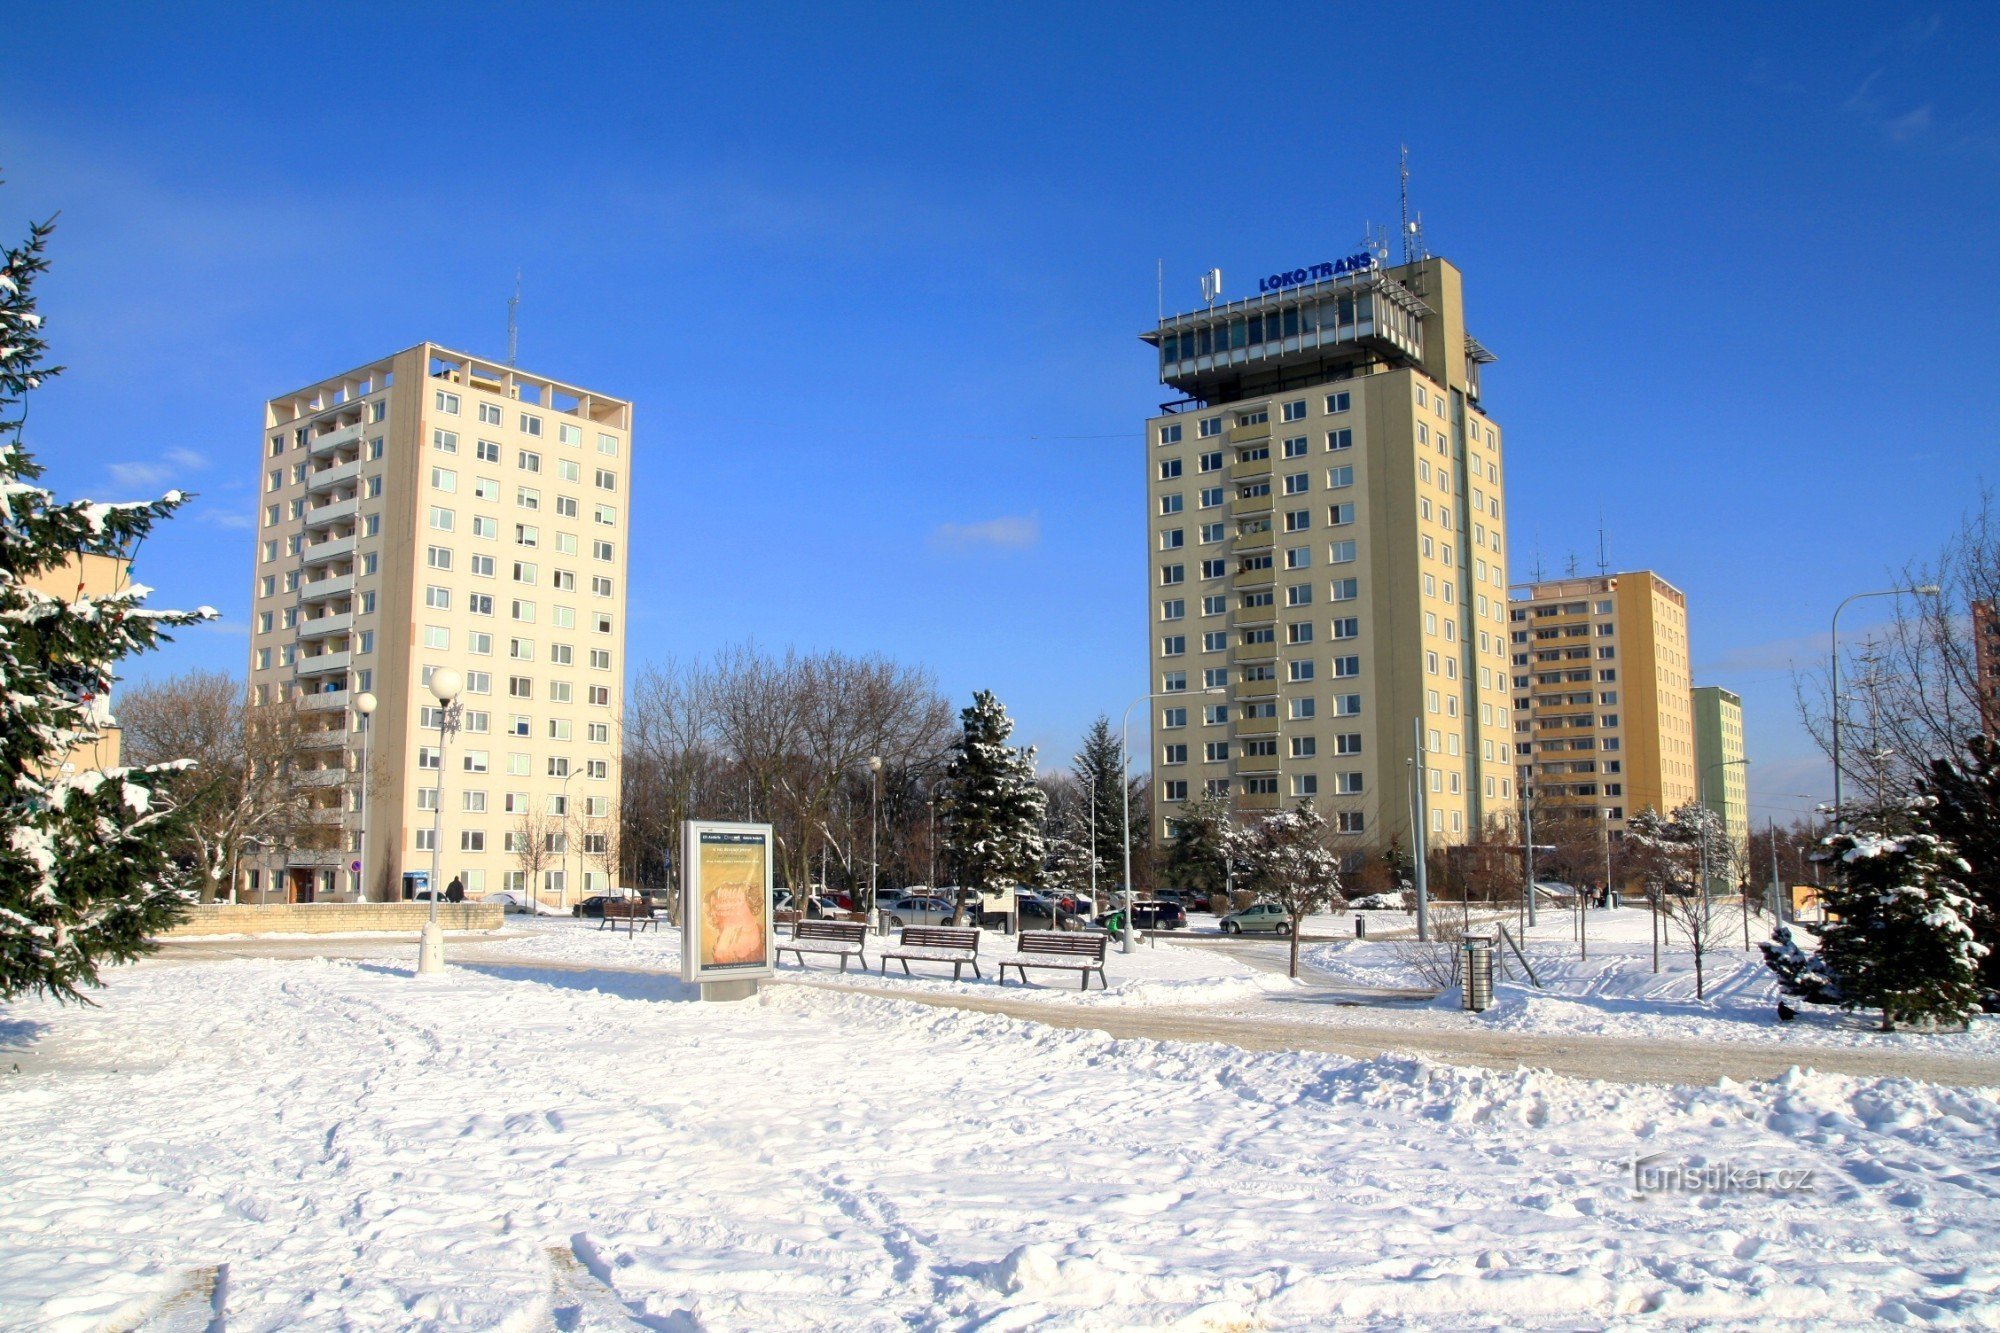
873,276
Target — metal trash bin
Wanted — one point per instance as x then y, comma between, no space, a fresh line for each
1476,973
1617,899
1360,927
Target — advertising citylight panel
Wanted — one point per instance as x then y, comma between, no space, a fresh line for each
726,925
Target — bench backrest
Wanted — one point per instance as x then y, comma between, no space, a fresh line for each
939,937
628,907
1083,944
850,932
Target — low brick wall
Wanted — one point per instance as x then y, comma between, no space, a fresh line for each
333,918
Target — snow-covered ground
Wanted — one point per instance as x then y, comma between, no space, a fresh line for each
1616,992
1149,975
341,1144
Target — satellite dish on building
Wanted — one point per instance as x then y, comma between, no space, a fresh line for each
1211,285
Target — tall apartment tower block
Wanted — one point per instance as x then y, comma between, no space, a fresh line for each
1326,550
1723,780
430,510
1603,717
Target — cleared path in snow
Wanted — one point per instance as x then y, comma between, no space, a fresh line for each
1335,1017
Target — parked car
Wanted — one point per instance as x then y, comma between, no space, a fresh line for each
1258,916
823,909
1148,914
593,906
1038,911
510,901
1188,901
915,911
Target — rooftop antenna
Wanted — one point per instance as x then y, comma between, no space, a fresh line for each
1569,566
1211,286
1160,287
1538,571
1603,560
513,320
1403,177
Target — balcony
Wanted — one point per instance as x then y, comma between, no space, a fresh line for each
322,663
319,627
333,548
313,703
320,777
336,511
334,585
1251,506
1260,431
1257,689
345,437
328,478
1257,801
323,740
1251,470
1256,764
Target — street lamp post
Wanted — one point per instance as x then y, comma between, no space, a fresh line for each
570,770
364,704
445,685
1833,677
1125,794
874,835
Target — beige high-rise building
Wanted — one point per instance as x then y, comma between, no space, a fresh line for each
1723,777
1327,549
428,510
1603,719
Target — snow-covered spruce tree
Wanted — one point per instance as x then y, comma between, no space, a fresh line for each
1198,848
1964,810
991,805
1900,939
1099,767
84,854
1285,859
1799,973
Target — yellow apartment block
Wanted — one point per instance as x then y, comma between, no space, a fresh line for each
1603,719
1326,556
88,575
434,509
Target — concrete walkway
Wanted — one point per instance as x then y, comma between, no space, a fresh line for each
1343,1021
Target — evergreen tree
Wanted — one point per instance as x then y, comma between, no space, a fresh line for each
1099,768
1285,859
1964,810
1198,851
1900,939
991,806
84,855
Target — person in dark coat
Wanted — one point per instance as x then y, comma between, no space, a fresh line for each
454,892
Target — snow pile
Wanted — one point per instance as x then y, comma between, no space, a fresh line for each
318,1145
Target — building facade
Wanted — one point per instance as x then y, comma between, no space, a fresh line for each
88,574
1603,715
1724,778
430,510
1326,554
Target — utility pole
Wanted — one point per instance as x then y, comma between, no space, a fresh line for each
1422,840
1777,889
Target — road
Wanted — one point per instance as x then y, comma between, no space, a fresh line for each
1331,1017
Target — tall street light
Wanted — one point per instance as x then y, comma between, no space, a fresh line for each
364,704
570,770
445,685
1125,792
1833,676
874,830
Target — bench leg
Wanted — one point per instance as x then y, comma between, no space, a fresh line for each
957,971
976,972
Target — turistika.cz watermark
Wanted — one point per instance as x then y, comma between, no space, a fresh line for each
1654,1175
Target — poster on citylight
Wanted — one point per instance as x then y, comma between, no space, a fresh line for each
726,931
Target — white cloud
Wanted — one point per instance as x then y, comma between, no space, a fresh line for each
187,458
229,518
141,476
1012,532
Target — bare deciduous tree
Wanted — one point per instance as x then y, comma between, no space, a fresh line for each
255,769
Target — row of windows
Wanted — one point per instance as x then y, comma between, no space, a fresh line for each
1170,468
1296,670
519,764
490,414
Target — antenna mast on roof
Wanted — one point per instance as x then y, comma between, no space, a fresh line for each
1413,227
513,320
1538,572
1603,561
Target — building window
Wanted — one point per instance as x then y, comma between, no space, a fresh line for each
490,414
1293,411
1337,402
1340,439
1169,468
1170,434
448,402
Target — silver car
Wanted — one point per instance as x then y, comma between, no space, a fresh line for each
1258,916
900,912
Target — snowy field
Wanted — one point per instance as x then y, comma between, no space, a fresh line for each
312,1144
1616,993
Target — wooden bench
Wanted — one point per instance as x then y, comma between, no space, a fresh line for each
937,944
638,912
842,938
1063,951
